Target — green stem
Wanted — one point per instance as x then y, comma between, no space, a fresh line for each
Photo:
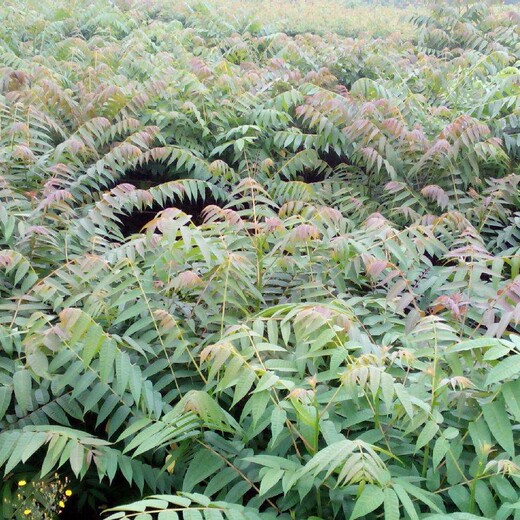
425,461
316,427
474,489
377,423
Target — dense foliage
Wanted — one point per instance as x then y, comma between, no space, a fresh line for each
346,17
257,275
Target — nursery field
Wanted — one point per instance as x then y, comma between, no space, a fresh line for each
259,260
348,18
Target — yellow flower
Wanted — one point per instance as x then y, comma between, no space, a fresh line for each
61,503
22,483
68,492
27,512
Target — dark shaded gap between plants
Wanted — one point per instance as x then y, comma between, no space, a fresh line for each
134,222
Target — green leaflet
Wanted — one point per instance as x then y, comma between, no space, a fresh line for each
22,384
499,424
506,369
369,500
